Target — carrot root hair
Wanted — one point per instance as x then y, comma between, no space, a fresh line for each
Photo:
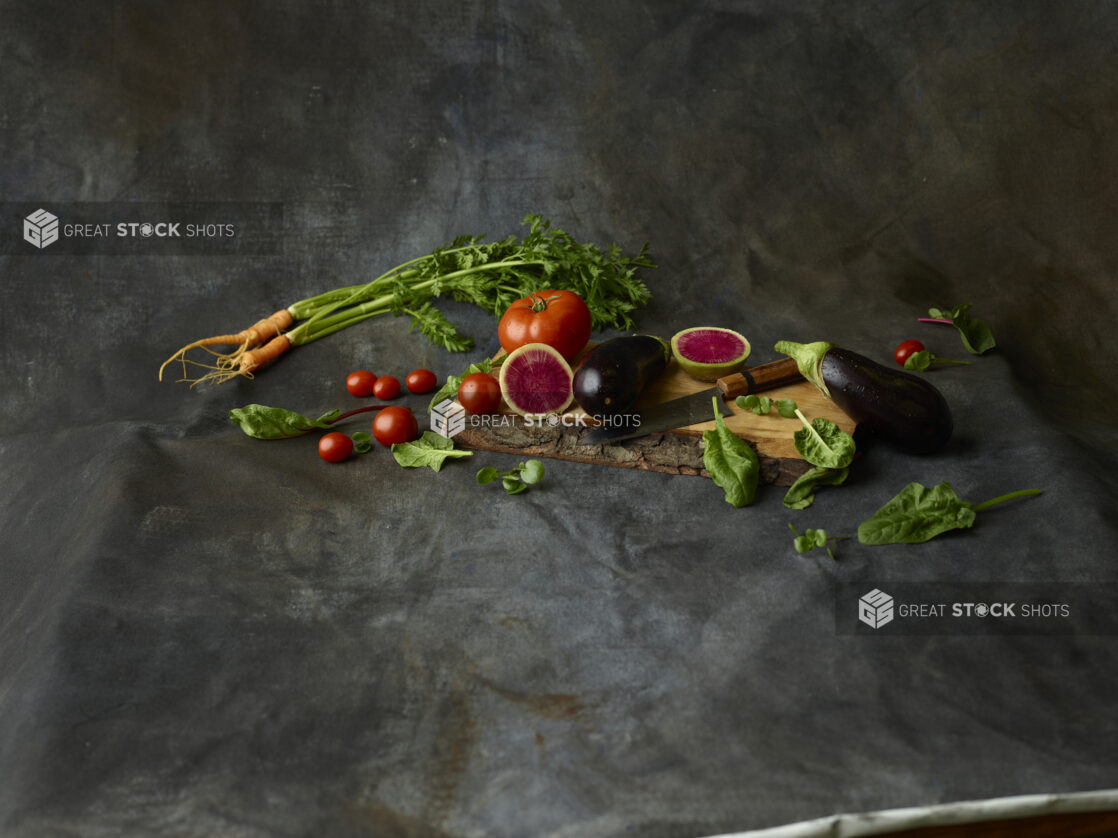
270,327
245,364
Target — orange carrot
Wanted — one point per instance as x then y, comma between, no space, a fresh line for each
262,330
245,363
256,358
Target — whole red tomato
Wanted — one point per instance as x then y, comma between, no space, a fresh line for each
479,392
395,424
906,348
558,318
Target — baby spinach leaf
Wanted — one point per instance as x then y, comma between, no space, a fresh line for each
430,450
801,494
976,335
823,443
916,515
264,422
731,462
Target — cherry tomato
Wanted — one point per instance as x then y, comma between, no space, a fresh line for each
386,387
479,392
335,447
905,349
558,318
421,381
360,383
395,424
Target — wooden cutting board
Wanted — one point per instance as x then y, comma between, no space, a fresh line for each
676,452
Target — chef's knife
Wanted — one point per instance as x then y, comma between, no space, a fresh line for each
690,410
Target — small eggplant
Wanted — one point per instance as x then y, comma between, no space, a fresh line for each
900,407
613,374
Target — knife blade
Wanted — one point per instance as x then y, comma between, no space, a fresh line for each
696,408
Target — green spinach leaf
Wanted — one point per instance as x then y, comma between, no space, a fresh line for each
976,335
801,494
731,462
264,422
823,443
918,514
430,450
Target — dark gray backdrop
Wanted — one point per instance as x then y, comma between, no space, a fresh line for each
201,633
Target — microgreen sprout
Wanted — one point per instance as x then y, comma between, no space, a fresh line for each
811,539
515,480
763,405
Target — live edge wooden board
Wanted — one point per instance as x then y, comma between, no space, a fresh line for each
675,452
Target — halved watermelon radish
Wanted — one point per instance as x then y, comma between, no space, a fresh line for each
536,380
710,352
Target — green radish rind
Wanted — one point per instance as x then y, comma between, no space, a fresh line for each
509,368
709,371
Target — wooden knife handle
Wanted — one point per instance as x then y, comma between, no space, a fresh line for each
765,377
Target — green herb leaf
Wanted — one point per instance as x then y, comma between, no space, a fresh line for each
362,442
918,361
822,443
487,475
490,275
812,539
532,471
513,485
916,515
430,450
731,462
762,405
976,335
801,494
264,422
749,402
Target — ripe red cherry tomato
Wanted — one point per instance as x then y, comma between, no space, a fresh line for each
558,318
335,447
395,424
361,383
421,381
386,387
479,392
905,349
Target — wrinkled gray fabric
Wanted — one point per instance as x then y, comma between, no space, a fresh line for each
206,634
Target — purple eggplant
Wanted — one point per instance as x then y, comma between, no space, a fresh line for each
899,407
